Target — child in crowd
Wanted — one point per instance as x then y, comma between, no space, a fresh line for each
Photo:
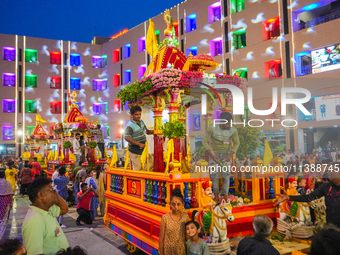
172,232
301,184
82,180
195,245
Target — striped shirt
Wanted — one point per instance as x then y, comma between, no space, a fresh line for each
136,132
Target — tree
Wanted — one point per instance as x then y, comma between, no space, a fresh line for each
250,140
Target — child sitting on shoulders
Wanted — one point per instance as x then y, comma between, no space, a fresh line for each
195,244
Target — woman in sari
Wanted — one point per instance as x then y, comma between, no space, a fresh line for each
99,179
10,174
6,194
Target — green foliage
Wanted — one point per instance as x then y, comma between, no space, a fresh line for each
174,129
277,236
280,148
250,140
67,144
93,144
135,90
201,151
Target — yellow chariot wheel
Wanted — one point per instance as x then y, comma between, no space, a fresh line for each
131,247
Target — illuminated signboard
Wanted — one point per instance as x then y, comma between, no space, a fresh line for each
327,107
326,59
120,33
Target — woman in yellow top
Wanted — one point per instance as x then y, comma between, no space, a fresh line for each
10,175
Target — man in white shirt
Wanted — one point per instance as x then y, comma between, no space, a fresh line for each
76,149
55,174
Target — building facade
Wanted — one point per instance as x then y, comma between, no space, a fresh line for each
275,44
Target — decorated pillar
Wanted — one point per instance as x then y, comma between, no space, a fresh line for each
158,104
209,120
173,97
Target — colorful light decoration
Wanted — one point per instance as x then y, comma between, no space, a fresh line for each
8,53
120,33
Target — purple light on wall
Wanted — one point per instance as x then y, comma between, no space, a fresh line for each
97,108
96,62
8,79
141,71
7,132
99,84
214,12
216,46
141,44
8,105
8,53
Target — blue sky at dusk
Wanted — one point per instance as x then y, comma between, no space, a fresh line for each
76,20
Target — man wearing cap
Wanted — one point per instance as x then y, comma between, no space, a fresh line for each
217,141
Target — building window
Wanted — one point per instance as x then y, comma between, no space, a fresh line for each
29,130
100,108
55,58
8,53
75,83
8,105
271,28
273,69
141,71
190,23
303,63
55,107
127,50
99,61
30,106
239,39
31,56
8,133
116,80
175,24
31,80
157,36
118,134
141,44
241,72
236,6
214,12
75,59
216,46
193,51
99,84
127,76
8,79
116,55
55,82
116,105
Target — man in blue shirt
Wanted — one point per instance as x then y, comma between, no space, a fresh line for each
61,187
135,136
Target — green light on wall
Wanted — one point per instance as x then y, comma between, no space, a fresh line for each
31,56
30,106
31,80
241,72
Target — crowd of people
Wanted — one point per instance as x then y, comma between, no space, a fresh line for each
50,199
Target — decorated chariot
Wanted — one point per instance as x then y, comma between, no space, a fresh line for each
74,122
136,200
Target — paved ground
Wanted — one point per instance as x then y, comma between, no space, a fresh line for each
96,239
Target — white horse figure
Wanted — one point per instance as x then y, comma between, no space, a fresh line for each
221,213
303,214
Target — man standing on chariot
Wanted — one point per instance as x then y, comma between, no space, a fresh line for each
135,136
217,141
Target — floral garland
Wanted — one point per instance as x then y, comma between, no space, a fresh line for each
170,77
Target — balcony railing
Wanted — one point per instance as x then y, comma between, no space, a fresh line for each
320,20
